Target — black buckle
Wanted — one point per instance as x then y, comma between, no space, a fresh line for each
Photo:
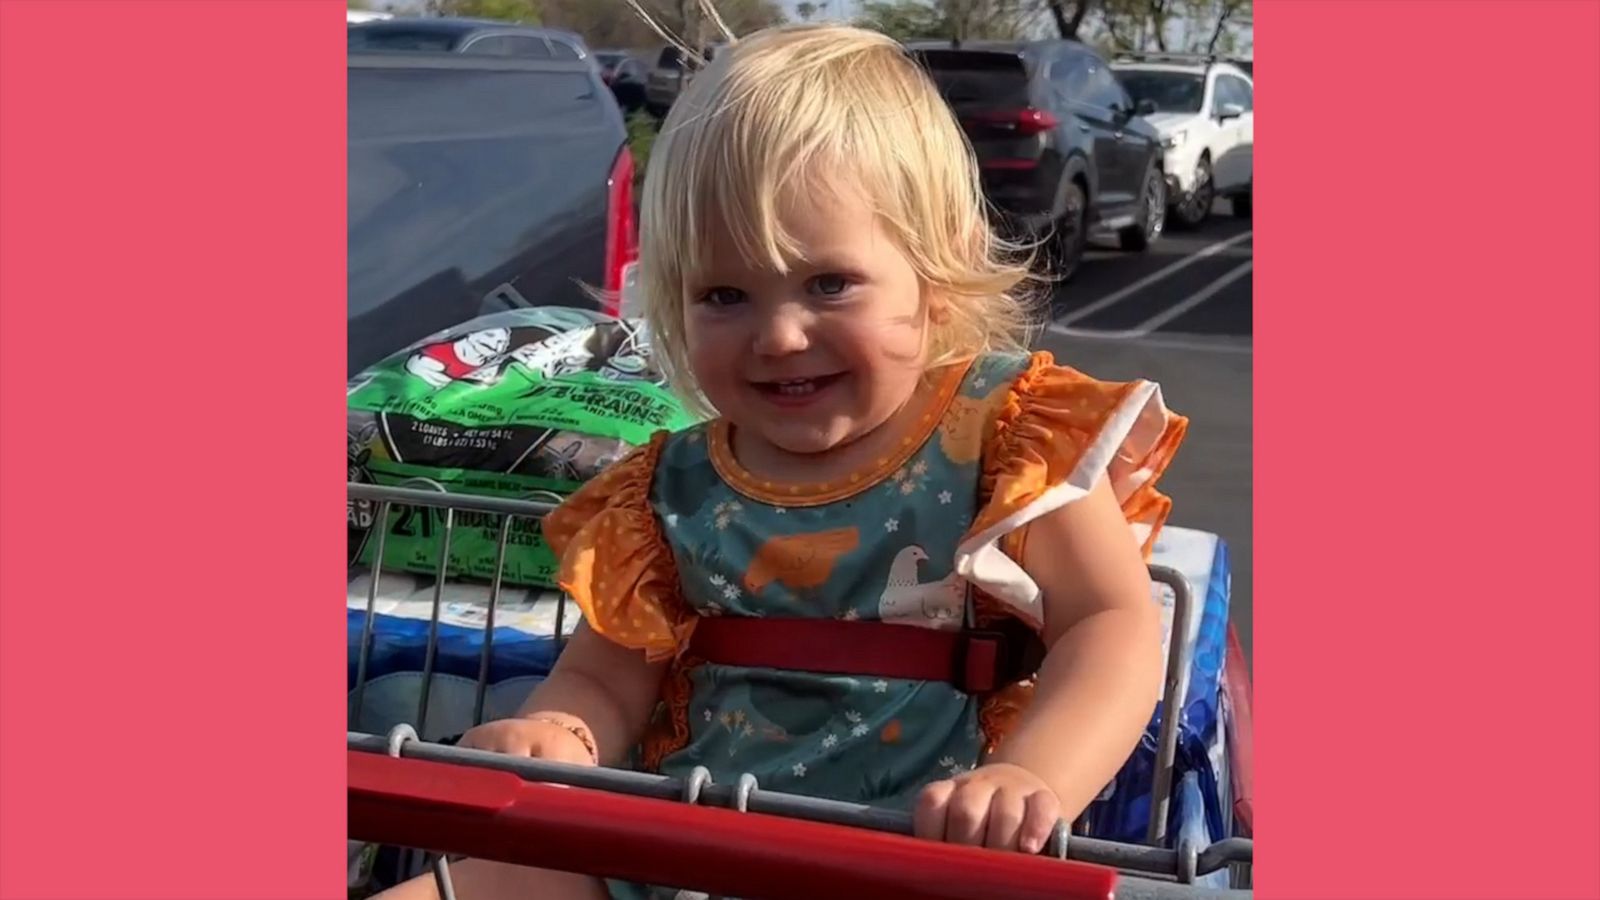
988,659
976,667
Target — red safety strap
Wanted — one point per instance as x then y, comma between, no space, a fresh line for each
974,661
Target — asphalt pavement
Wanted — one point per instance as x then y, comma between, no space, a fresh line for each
1180,314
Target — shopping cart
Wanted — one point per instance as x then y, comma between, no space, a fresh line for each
729,839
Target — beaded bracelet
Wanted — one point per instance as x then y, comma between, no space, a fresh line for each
577,731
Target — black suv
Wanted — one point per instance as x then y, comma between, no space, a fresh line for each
1059,142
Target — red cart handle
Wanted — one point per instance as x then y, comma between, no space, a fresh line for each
498,816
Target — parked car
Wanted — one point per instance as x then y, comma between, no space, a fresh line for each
672,71
479,184
1061,148
626,74
480,37
1204,109
358,16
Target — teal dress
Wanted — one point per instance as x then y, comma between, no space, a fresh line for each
880,545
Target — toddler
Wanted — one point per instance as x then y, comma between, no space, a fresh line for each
902,563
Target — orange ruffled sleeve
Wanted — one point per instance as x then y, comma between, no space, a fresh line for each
615,562
1055,434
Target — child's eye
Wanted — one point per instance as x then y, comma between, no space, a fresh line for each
722,296
830,285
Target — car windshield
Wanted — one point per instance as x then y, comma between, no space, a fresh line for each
608,59
1181,92
400,39
968,79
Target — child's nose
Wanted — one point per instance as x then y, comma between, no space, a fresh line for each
782,332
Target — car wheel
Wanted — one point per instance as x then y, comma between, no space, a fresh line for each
1195,208
1241,205
1152,214
1072,233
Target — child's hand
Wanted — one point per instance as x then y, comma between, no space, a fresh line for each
540,738
1000,805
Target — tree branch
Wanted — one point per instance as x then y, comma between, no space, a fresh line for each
1228,8
1158,18
1060,16
1078,13
1109,22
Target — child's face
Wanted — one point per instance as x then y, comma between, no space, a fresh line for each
821,355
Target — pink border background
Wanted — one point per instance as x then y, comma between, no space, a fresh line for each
171,355
1427,308
172,240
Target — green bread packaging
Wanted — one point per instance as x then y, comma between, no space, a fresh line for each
526,404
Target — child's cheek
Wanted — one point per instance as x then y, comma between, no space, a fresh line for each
713,361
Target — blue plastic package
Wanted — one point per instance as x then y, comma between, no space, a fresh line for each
523,651
1123,811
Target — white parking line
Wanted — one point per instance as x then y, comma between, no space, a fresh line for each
1145,328
1122,294
1198,297
1189,343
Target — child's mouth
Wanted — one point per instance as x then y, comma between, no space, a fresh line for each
797,391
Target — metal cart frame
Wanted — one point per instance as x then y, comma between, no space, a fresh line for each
409,793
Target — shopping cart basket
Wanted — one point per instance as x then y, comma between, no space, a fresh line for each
736,839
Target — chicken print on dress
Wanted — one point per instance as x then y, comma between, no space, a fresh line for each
907,601
799,561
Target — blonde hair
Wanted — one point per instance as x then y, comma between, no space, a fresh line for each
804,103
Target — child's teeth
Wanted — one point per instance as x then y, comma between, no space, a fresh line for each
796,387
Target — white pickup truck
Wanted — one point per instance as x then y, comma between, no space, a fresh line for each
1205,114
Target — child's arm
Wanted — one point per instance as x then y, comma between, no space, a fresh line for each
1095,693
601,689
1102,677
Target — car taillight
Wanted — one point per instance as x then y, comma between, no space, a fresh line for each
622,231
1034,121
1022,121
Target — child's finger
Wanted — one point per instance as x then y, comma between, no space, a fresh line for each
1043,811
966,816
481,738
927,821
496,737
1006,813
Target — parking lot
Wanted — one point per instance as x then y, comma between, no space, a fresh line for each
1180,314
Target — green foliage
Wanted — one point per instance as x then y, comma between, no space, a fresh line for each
904,20
957,19
641,139
525,12
1219,26
614,24
1194,26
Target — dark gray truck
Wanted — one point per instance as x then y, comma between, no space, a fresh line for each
479,184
